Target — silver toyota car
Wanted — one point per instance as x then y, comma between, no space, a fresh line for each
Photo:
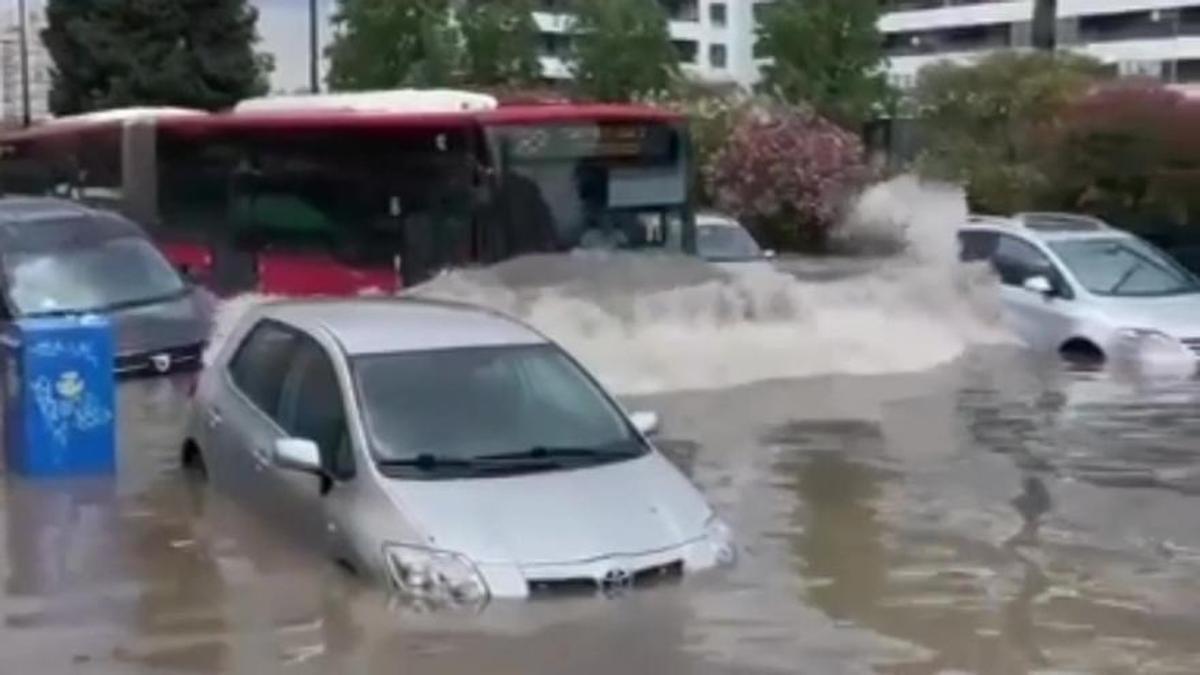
455,453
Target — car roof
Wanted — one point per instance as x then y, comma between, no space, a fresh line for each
365,326
44,222
1047,227
715,219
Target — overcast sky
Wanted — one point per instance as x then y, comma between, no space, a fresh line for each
283,25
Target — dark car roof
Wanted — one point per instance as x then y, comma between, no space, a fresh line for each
33,223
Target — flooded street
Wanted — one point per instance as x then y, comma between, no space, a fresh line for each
994,515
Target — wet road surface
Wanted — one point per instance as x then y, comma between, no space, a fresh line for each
994,516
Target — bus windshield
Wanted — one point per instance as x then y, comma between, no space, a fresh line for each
590,186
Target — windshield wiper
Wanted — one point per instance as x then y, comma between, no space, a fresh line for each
432,463
1127,276
541,452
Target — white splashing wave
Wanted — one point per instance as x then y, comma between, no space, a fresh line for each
646,324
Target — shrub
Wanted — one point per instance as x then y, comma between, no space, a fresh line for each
786,173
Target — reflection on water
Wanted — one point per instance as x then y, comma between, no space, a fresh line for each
997,516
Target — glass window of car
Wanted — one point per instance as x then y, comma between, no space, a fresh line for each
1124,267
1016,261
101,275
726,242
976,246
468,403
311,407
261,363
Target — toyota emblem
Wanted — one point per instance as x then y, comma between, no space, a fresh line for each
616,580
161,362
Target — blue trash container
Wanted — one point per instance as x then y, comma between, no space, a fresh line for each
59,397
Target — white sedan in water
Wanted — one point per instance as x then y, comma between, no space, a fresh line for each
723,241
1074,285
455,453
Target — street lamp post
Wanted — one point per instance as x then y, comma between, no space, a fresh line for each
314,48
26,112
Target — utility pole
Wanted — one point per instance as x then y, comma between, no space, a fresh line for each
314,48
26,111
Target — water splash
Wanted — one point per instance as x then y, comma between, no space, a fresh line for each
646,324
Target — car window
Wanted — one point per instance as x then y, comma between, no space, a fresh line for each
311,407
976,246
1016,261
470,402
1124,267
722,242
261,363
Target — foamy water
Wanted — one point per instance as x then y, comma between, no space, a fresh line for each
647,324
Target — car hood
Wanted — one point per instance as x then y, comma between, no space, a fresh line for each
1177,315
624,508
175,322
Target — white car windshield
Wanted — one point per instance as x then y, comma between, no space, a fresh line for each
106,274
726,243
1124,267
458,406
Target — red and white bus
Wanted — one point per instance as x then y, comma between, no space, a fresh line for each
320,196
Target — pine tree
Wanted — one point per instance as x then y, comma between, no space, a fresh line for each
190,53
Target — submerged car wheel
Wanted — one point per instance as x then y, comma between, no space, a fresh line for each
1081,352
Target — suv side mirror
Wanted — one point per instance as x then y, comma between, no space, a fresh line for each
1039,284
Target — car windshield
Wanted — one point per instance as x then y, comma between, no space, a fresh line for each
725,242
1124,267
106,274
456,406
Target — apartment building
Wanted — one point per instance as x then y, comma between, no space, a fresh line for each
40,64
715,38
1159,38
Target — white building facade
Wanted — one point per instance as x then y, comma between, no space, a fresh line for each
715,38
1159,38
40,64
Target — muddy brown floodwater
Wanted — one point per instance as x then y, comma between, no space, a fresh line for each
994,516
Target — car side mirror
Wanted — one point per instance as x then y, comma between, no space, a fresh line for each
645,422
1039,284
298,454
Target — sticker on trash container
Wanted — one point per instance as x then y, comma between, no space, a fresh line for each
67,406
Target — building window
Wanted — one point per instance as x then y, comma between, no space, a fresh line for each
718,14
687,50
718,55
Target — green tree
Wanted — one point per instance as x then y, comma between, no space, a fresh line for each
826,53
501,41
621,50
382,44
192,53
992,127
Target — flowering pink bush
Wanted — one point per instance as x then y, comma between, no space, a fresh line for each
787,173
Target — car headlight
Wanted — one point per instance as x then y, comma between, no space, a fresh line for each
435,578
719,538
